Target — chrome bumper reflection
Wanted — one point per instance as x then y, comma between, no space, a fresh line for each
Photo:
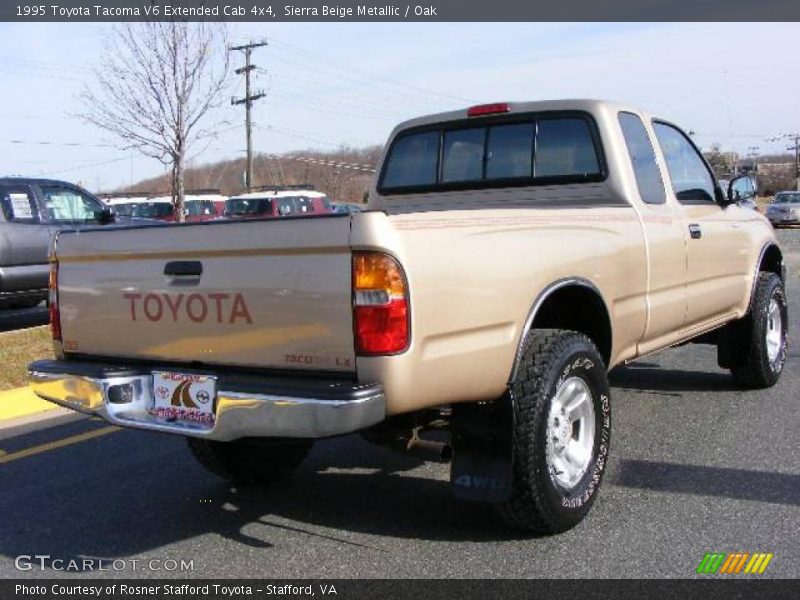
238,414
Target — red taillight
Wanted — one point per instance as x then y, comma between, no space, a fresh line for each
55,315
380,312
488,109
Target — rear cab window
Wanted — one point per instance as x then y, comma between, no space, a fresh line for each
518,150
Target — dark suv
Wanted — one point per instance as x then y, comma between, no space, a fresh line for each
31,210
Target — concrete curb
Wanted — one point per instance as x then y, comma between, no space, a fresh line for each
22,402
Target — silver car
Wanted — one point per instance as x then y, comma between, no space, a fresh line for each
31,210
784,209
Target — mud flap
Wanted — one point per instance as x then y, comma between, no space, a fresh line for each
481,469
733,340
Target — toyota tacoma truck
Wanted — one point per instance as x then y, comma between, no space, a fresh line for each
511,255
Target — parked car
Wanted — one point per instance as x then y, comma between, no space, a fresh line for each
31,210
158,208
287,203
124,205
784,209
203,206
512,255
345,208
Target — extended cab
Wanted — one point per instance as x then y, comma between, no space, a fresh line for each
511,254
31,211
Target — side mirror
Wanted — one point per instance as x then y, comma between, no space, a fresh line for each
105,216
185,212
284,210
741,188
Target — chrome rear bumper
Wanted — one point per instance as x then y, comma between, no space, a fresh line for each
246,406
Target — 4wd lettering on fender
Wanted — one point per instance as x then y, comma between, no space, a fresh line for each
198,308
483,483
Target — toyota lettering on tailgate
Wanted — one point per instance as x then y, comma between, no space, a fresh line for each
198,308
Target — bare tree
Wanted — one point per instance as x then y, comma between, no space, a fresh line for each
718,161
155,84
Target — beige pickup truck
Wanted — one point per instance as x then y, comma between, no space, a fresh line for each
511,255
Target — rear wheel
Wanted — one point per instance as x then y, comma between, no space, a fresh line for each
249,461
562,429
759,338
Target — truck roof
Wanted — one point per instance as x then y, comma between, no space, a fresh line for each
581,104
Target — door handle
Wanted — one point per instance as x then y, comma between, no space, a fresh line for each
184,268
695,231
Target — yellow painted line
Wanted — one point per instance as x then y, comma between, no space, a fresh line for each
22,402
767,558
68,441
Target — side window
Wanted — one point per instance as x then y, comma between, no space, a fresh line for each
304,204
691,180
61,204
124,210
462,159
286,207
564,148
643,159
413,161
509,151
18,205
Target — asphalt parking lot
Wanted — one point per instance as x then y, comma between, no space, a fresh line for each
695,467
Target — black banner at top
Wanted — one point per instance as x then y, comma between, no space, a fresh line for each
399,10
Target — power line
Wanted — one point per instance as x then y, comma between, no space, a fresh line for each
371,76
98,164
71,144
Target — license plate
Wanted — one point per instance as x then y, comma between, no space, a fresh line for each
184,398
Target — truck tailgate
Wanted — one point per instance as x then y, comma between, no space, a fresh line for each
273,294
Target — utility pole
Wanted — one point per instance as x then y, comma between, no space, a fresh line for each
795,147
248,102
752,154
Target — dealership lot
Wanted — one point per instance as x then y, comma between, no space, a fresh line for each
696,466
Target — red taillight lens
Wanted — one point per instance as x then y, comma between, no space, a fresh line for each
55,315
488,109
380,305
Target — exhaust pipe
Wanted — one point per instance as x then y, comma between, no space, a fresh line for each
429,449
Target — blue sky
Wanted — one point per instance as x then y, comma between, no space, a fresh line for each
329,84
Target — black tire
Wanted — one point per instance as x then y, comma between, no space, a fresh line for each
20,304
537,503
752,367
250,461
